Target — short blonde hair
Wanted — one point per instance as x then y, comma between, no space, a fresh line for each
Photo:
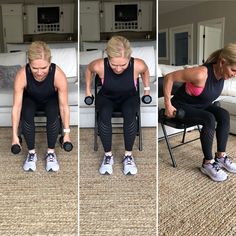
39,50
118,46
228,52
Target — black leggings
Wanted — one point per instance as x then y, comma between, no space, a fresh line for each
51,109
129,109
213,118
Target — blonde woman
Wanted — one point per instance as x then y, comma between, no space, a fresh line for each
40,85
118,73
202,85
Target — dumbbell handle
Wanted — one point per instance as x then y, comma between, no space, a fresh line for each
15,148
89,100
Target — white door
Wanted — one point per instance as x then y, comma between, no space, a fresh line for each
210,38
181,45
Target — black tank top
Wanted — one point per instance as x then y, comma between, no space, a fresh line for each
40,91
118,87
211,91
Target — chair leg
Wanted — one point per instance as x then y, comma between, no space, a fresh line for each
184,134
168,145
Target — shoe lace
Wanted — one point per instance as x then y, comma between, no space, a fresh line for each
31,156
226,159
128,160
216,166
50,157
107,160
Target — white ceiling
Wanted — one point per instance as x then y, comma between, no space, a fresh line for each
165,6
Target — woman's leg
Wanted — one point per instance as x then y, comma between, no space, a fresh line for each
207,120
104,107
27,121
129,110
222,128
53,125
28,130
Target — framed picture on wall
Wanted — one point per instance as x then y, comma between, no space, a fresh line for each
163,44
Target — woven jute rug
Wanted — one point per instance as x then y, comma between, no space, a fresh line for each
189,202
115,205
40,202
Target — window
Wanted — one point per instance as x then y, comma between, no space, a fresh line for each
163,44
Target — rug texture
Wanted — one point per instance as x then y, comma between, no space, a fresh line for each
190,203
115,205
40,202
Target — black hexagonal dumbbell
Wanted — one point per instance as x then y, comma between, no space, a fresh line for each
67,146
179,114
89,100
146,99
16,148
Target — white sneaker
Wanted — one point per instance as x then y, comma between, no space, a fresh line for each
129,166
30,162
214,172
106,166
226,163
51,162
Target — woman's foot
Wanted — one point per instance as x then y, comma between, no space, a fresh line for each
226,163
129,165
213,170
30,162
106,166
51,162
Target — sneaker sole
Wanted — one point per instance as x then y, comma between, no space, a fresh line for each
51,170
105,173
216,180
129,173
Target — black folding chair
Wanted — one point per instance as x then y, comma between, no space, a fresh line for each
173,123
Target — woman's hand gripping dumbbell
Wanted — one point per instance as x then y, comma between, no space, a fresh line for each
89,100
178,114
67,146
146,98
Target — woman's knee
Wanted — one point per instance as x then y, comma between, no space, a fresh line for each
209,121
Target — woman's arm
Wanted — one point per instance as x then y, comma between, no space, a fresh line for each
94,67
61,85
140,68
19,85
196,75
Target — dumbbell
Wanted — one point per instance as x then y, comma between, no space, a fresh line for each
146,99
15,148
179,114
67,146
89,100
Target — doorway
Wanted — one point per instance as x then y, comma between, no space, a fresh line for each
210,38
181,45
